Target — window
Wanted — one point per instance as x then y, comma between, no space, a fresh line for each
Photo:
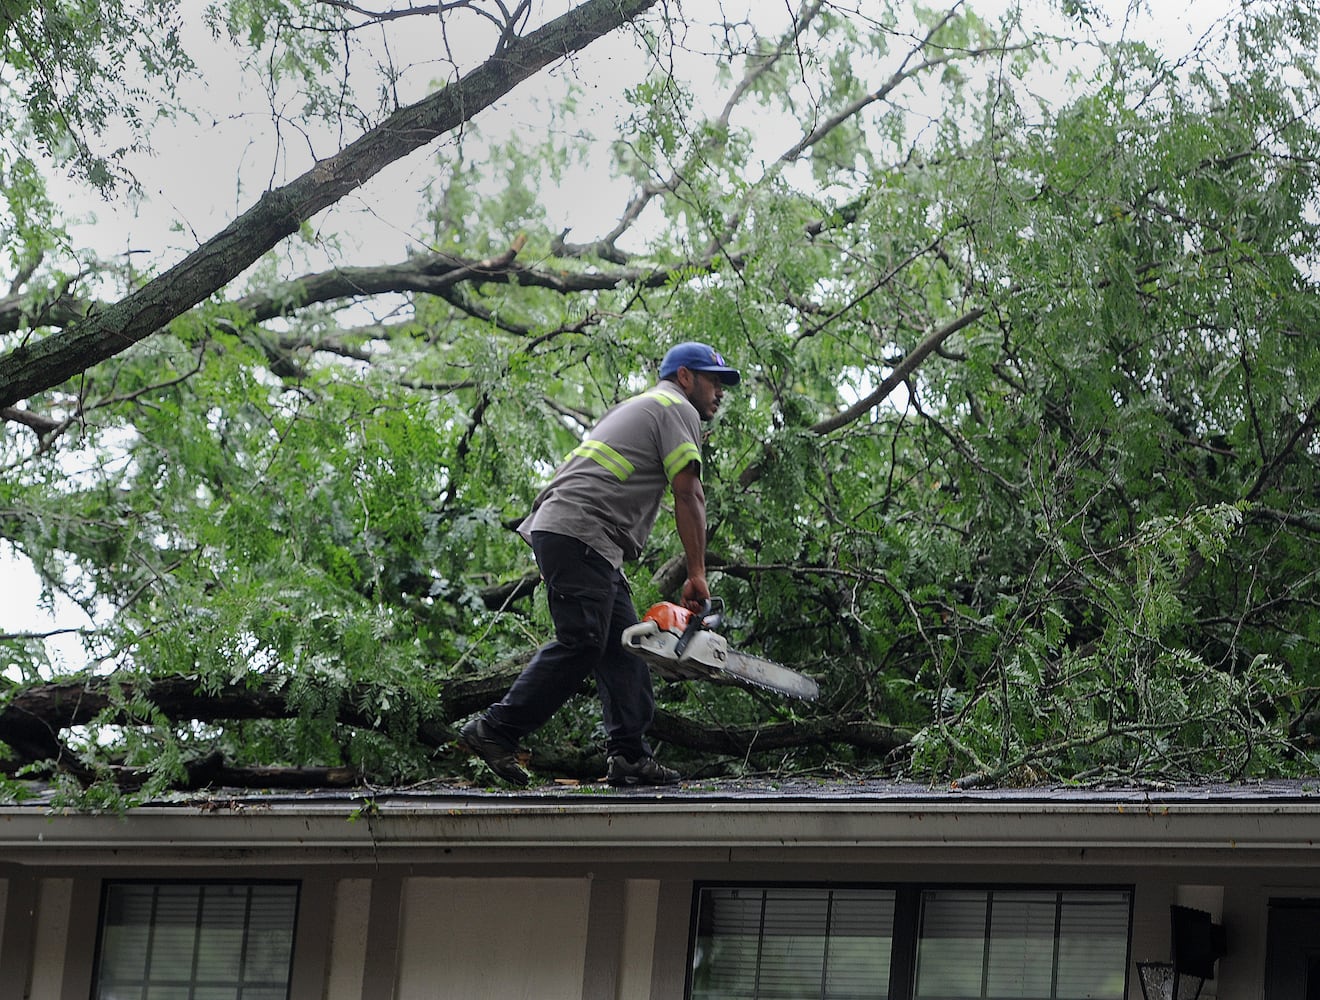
196,941
759,944
763,943
1022,945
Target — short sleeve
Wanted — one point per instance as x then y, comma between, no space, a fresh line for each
680,440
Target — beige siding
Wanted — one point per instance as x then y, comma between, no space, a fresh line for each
639,900
493,939
1241,974
54,896
348,939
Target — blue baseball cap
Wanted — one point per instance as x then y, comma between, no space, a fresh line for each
697,357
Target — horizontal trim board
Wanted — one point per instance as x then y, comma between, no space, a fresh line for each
670,829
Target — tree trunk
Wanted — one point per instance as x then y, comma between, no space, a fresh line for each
42,365
33,719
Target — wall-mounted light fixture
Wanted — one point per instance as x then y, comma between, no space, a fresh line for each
1159,980
1196,945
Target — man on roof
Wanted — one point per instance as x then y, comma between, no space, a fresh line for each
595,515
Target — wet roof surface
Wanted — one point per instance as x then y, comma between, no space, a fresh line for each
762,790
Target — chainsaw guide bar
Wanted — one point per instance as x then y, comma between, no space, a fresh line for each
680,645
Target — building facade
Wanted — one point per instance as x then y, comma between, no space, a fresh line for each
733,891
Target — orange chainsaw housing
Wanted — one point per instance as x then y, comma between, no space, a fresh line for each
669,617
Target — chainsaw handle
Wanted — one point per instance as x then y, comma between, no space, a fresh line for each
696,623
712,615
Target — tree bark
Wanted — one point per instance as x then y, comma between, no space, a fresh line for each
434,274
42,365
704,738
902,371
32,721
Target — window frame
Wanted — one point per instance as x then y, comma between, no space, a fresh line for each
108,884
907,916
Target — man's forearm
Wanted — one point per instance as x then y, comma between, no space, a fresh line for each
690,516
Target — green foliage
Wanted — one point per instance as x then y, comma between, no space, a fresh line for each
1135,702
1078,543
79,70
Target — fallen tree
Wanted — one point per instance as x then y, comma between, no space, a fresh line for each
36,723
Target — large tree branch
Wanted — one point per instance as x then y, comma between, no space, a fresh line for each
33,718
437,274
740,740
901,372
278,213
434,274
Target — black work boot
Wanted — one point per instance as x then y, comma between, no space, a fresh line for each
644,771
479,739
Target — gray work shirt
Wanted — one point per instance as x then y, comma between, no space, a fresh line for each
608,490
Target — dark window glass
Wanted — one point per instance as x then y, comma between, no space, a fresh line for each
196,941
1001,945
970,944
777,944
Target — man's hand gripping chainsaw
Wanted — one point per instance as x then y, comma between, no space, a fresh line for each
680,645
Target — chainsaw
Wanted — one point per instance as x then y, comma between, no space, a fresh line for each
682,645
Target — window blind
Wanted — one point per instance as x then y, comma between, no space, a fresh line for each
1022,945
789,944
1093,946
860,945
196,941
951,944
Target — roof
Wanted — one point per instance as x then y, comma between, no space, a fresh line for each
1251,823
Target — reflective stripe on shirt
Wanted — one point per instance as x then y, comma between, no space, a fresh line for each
666,398
679,459
606,457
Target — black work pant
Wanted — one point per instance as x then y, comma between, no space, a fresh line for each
591,605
